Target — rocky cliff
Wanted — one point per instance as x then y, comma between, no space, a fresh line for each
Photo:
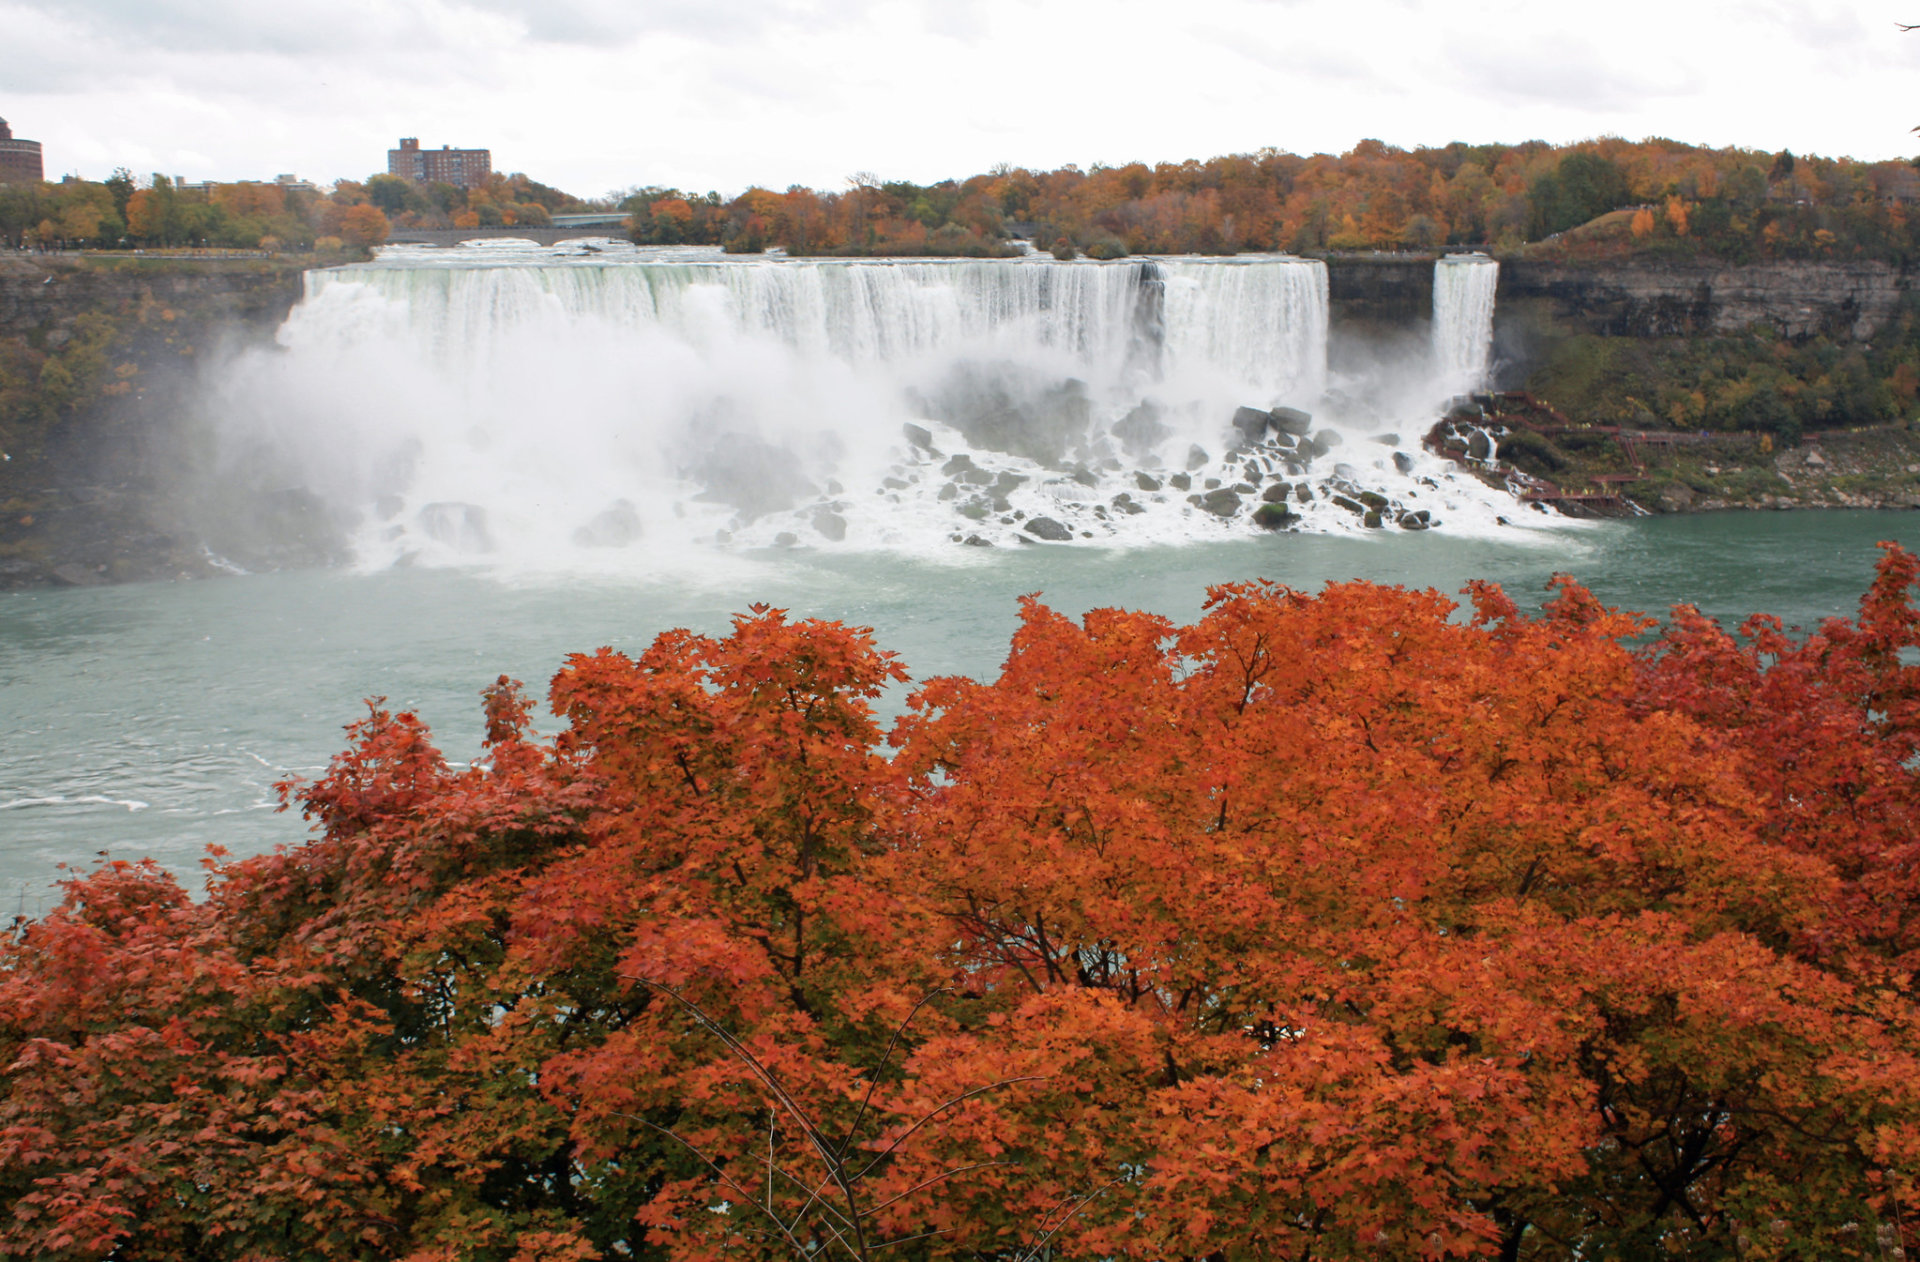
103,455
1641,299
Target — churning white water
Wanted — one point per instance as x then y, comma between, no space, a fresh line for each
599,405
1463,296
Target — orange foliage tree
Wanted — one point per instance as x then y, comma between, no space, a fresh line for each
1328,926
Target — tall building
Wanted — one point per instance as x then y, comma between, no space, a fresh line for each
19,159
468,168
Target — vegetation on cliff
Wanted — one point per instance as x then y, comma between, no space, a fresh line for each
1332,926
1755,380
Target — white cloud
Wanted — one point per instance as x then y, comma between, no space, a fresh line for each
594,94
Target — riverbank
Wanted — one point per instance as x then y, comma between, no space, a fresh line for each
1585,469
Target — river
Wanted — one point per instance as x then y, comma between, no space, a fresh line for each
153,719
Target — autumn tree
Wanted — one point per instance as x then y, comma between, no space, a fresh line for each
1336,925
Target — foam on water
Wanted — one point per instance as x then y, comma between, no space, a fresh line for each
594,406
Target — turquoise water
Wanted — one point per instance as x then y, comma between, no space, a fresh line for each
153,719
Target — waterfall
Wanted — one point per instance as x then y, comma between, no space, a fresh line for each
1463,296
525,404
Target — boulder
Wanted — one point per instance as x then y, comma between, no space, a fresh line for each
1403,462
753,476
1387,440
1303,493
1140,430
920,436
1180,482
1351,505
830,524
1274,516
462,527
1251,422
1277,493
1086,477
612,527
975,541
1197,457
1372,499
1221,503
1291,421
1323,442
785,539
1049,529
957,464
1146,482
1372,519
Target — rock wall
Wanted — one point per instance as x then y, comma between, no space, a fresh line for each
1638,299
102,426
1851,300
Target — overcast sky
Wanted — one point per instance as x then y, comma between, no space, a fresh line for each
592,95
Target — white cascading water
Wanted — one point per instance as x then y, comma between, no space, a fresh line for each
1463,299
599,405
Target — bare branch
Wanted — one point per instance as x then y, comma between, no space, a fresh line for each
874,1082
959,1099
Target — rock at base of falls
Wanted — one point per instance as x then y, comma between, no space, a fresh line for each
1009,407
1221,503
613,527
1278,493
1274,516
1146,481
1323,442
753,476
462,527
920,436
1197,458
1140,431
956,464
1181,482
1290,421
1403,462
830,524
1049,529
1251,422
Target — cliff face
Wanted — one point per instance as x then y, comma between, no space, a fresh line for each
102,424
1843,300
1634,299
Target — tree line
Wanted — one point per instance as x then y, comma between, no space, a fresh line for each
1677,198
1347,925
122,213
1597,198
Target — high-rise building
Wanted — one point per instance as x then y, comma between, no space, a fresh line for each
19,159
468,168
